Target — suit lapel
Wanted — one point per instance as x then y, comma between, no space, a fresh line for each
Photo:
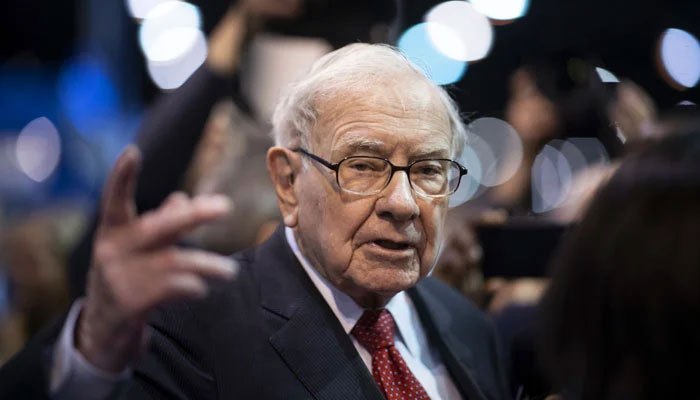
312,342
454,353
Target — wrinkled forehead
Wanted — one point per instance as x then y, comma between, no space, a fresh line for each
402,105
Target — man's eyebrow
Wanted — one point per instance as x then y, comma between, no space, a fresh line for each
432,153
357,144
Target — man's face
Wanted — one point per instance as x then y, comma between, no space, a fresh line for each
373,246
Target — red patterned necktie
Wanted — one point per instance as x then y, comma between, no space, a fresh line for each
375,331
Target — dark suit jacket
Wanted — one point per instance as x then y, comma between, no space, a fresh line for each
269,334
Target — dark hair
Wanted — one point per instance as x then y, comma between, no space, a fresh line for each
582,100
621,319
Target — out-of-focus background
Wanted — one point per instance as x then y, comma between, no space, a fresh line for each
553,92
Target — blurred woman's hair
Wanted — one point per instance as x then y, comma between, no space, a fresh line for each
621,319
582,100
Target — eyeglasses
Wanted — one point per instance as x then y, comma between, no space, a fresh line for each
435,177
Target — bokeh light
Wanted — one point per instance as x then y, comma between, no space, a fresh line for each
679,54
140,8
38,149
172,74
557,167
459,31
470,183
499,148
416,45
606,76
502,9
583,152
173,43
551,179
86,94
169,30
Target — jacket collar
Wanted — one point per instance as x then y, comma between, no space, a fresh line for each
312,342
454,353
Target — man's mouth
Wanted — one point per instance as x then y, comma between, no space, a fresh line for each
391,245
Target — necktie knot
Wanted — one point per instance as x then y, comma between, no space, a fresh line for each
375,329
375,332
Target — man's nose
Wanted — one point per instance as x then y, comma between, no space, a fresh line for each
397,200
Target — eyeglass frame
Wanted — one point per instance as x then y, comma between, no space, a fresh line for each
407,168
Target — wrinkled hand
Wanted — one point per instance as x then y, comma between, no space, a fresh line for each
136,265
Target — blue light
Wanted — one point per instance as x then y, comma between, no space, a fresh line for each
416,45
680,54
87,95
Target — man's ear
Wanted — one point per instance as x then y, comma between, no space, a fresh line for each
283,168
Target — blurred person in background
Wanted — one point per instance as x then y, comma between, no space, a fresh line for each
548,100
559,97
497,251
621,318
205,137
32,254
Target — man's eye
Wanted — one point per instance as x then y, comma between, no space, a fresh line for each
365,165
430,170
360,166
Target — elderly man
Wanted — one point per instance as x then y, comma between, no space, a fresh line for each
336,305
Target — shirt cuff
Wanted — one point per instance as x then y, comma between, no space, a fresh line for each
72,376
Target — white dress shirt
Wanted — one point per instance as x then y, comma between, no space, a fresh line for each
73,377
409,336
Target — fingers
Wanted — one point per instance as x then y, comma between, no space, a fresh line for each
177,216
164,275
198,262
143,281
164,226
118,195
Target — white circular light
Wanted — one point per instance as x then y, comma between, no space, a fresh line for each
504,153
459,31
680,57
173,43
169,31
416,45
470,183
551,179
140,8
583,152
38,149
502,9
172,74
606,76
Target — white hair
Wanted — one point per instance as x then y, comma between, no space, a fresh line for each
358,65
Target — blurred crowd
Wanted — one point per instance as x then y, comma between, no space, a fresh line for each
591,271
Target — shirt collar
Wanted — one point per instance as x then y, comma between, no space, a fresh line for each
348,312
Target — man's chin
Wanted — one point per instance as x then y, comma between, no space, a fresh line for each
386,282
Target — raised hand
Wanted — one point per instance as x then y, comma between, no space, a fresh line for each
136,265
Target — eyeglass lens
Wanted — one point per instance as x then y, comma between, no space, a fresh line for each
365,175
